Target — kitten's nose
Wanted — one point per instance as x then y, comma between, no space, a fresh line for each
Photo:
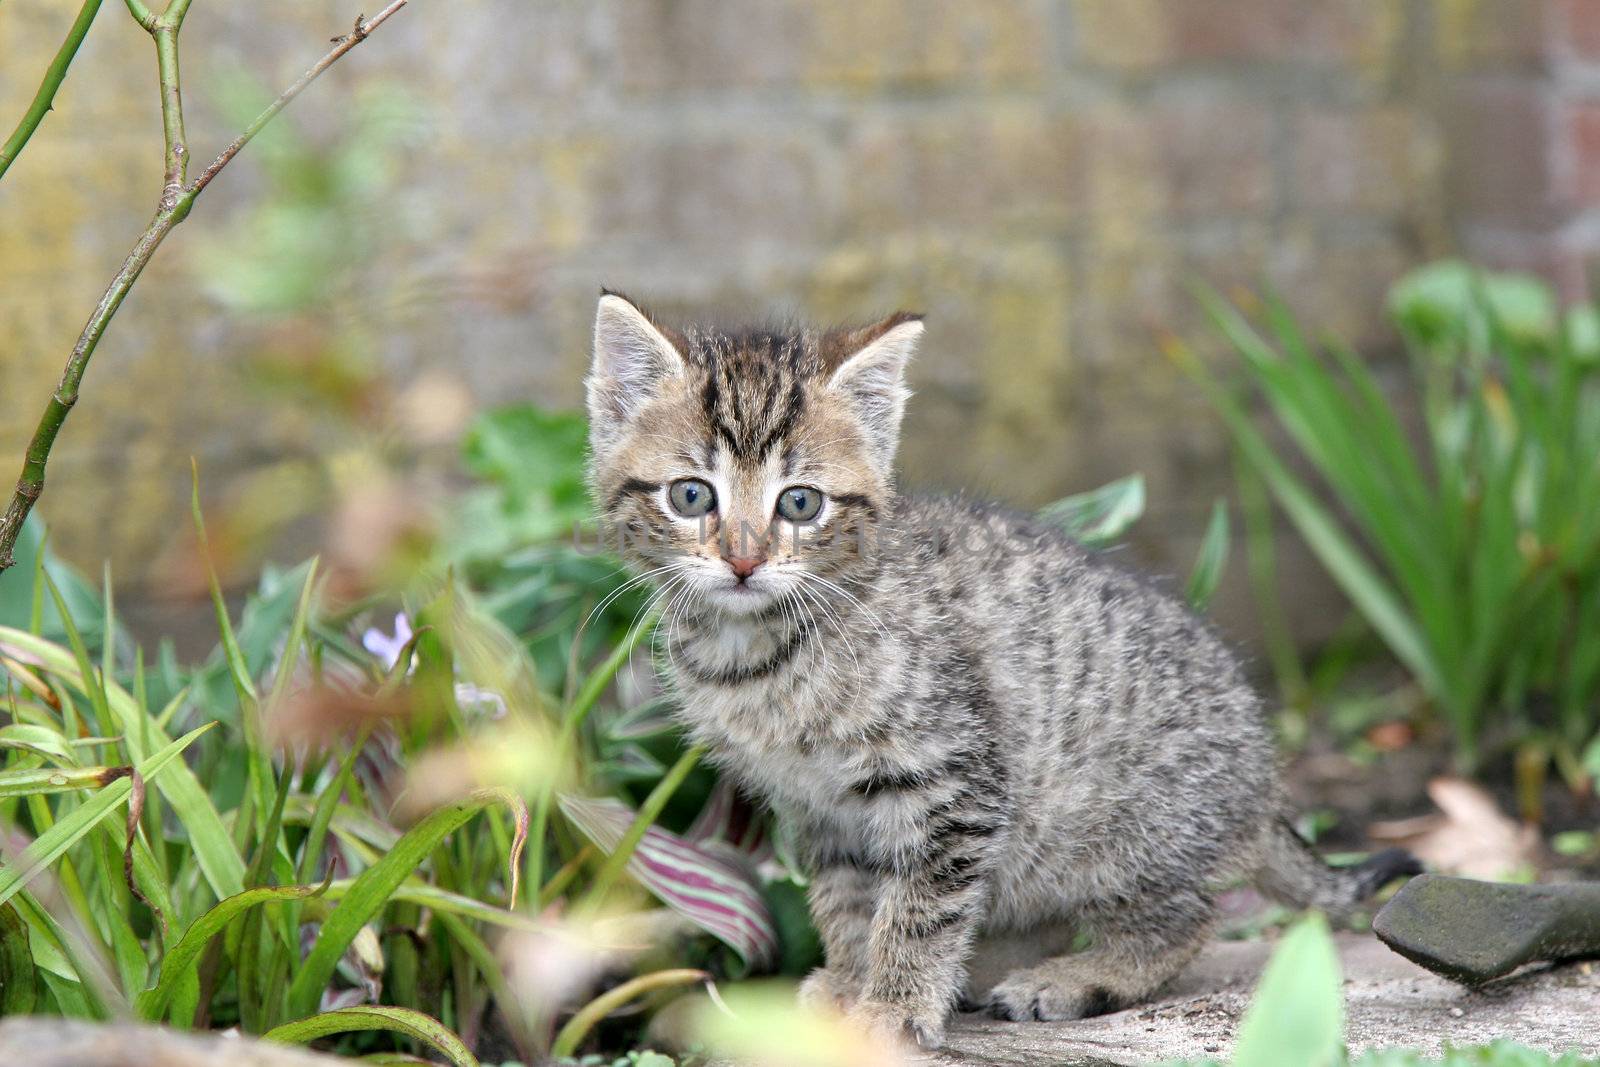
744,566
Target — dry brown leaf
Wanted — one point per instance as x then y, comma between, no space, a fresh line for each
1470,836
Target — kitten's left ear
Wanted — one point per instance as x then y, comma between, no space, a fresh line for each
633,357
868,371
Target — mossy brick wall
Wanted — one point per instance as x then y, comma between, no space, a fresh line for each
1043,177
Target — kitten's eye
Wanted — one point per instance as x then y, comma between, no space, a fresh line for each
691,497
799,503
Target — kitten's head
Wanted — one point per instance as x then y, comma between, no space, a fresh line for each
753,466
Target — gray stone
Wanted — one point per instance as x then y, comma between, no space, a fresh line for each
1389,1003
40,1041
1473,931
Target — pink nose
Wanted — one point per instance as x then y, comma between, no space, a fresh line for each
744,566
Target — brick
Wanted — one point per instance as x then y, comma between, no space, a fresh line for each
1129,34
1131,297
1576,28
698,44
1362,161
1497,34
1502,167
1563,259
1336,278
997,167
1215,155
1583,132
1343,31
862,44
709,189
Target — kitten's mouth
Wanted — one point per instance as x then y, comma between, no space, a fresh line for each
739,597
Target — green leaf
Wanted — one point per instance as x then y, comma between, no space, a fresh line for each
1100,516
443,900
1361,582
18,988
1213,557
16,587
533,462
213,849
21,783
180,960
376,886
1297,1017
1450,303
413,1024
48,846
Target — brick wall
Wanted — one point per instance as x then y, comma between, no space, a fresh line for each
1043,177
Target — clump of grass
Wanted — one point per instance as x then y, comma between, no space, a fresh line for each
1469,544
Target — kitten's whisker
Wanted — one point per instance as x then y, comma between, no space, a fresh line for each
871,615
619,590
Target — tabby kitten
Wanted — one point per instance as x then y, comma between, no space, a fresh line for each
981,731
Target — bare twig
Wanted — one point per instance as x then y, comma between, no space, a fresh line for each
44,99
176,199
142,15
341,45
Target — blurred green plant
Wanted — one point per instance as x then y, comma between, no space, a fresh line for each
1474,553
341,855
1099,518
1296,1018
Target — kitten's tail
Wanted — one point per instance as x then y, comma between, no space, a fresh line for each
1294,874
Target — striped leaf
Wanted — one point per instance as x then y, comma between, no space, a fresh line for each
702,884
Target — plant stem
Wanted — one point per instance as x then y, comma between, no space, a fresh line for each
578,1027
173,209
649,812
171,113
44,99
142,15
588,695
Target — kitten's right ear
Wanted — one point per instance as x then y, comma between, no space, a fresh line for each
633,358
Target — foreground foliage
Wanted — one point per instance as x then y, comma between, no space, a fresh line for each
1297,1018
1473,548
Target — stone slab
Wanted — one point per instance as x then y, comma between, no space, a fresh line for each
1389,1003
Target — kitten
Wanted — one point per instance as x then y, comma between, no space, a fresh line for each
980,730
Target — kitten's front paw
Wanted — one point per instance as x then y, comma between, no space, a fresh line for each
1048,993
828,987
899,1022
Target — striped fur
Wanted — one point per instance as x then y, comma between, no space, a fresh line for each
984,734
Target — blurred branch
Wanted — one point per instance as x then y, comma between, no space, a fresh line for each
44,99
177,198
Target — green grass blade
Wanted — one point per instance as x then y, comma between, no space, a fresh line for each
413,1024
18,987
1374,597
376,887
94,684
213,849
444,902
48,846
1100,516
617,861
182,957
589,693
21,783
238,668
327,804
586,1018
1213,557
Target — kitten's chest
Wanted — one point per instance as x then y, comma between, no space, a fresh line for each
773,737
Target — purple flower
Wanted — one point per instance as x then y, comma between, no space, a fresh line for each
471,698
